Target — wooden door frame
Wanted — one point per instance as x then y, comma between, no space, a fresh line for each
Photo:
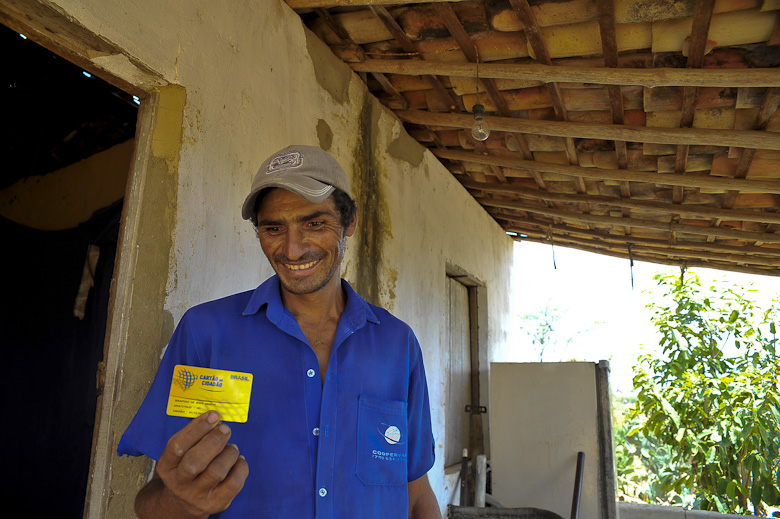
477,301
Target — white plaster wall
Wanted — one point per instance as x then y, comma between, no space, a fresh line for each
252,89
435,221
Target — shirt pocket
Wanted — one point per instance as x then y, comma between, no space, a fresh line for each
381,442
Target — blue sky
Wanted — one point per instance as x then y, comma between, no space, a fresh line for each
598,307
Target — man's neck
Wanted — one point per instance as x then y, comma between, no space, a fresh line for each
324,304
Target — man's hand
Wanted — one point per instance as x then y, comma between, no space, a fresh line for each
199,473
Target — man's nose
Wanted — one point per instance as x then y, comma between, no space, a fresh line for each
294,244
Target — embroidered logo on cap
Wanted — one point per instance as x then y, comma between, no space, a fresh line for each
290,160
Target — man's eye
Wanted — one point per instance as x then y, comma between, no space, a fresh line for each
316,223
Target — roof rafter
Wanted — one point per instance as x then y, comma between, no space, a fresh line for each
311,4
635,222
703,136
623,240
699,181
754,77
690,211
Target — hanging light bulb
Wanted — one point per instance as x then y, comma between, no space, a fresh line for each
480,130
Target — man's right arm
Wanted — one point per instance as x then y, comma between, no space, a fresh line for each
198,473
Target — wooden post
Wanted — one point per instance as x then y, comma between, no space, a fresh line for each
606,448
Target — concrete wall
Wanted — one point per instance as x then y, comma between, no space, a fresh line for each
255,81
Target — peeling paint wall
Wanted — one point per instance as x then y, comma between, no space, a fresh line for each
256,80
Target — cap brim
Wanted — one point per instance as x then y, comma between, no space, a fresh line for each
309,189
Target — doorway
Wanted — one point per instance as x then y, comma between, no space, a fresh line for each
67,145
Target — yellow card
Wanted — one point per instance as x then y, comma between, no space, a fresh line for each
196,390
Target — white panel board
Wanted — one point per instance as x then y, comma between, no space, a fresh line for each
541,415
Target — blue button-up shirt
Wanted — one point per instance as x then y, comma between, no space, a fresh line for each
346,448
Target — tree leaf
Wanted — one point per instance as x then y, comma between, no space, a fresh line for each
755,494
731,489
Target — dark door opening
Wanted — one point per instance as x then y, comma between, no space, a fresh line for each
66,145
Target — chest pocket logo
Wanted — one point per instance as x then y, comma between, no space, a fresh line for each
382,445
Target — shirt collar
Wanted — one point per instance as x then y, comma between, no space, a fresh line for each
357,310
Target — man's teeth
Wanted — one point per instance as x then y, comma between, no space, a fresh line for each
301,267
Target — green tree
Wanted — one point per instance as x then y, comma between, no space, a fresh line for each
711,399
542,327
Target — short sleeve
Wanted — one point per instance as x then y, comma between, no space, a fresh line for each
420,454
151,428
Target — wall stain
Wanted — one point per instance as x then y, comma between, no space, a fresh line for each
374,228
392,281
324,134
407,149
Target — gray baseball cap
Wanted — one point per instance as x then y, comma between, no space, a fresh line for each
307,171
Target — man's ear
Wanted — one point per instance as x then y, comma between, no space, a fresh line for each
350,230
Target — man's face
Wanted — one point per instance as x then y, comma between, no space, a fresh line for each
304,242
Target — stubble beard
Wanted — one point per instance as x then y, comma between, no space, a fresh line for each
306,288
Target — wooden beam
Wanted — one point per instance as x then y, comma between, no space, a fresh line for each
688,211
553,235
634,222
337,29
532,32
768,108
623,240
606,9
408,46
730,258
471,52
534,36
390,89
654,259
655,77
706,181
661,248
450,19
701,25
705,136
52,30
311,4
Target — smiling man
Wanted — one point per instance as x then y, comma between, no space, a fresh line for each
338,425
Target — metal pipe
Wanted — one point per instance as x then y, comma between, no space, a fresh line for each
575,501
480,481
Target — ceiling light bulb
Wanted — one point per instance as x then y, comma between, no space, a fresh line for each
480,130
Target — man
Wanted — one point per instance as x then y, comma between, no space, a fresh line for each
339,421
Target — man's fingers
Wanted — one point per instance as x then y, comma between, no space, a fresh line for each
200,456
233,482
218,469
181,442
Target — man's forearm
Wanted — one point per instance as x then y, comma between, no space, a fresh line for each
422,500
425,508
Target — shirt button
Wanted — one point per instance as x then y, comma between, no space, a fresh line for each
310,373
316,431
323,492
